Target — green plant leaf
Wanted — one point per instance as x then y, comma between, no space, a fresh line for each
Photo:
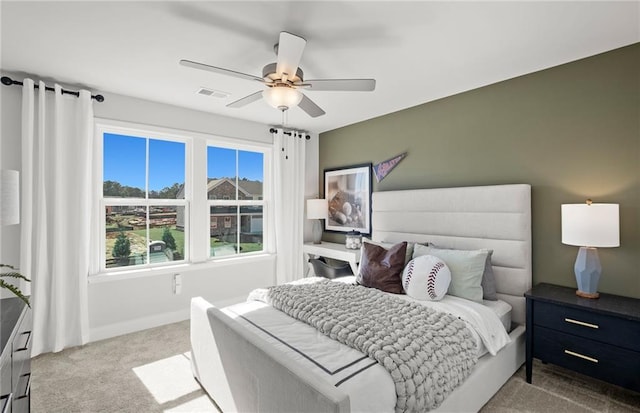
14,274
16,291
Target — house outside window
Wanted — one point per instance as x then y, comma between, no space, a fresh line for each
153,216
235,192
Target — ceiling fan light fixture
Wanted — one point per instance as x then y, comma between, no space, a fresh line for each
282,97
283,77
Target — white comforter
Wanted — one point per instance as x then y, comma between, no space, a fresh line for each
368,384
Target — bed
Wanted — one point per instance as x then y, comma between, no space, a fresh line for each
244,367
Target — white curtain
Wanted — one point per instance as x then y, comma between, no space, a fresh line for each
288,205
57,212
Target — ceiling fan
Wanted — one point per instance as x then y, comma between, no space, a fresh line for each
284,77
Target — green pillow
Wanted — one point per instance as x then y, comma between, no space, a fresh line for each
466,266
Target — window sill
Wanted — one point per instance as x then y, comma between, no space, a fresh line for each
178,268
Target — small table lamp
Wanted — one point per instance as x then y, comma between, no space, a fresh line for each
317,209
589,226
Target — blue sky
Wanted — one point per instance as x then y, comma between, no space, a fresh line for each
221,162
124,162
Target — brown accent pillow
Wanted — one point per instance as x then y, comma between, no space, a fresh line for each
381,268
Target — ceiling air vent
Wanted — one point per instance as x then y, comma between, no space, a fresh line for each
212,93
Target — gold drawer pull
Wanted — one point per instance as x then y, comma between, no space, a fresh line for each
581,323
582,356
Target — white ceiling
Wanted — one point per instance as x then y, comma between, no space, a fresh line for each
417,51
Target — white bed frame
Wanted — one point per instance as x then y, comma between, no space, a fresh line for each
241,373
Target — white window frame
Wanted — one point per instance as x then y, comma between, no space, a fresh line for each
197,206
239,203
147,133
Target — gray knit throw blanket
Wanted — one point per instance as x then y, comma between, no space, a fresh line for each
428,353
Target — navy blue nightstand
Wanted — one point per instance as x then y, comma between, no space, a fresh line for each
596,337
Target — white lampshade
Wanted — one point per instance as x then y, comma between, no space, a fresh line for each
591,225
317,209
9,197
282,97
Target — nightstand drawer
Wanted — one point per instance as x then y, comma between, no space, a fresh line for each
5,385
21,349
594,326
599,360
15,361
5,403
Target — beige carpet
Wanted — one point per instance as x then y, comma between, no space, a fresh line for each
149,371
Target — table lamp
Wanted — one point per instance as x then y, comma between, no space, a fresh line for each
590,226
317,209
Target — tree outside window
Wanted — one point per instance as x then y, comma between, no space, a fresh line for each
143,193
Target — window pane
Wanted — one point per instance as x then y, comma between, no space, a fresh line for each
223,230
166,240
250,173
124,166
221,173
250,229
166,169
152,229
126,236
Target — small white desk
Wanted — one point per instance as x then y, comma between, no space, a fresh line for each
332,250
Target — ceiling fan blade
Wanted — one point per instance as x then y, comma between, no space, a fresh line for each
219,70
246,100
311,108
357,85
290,49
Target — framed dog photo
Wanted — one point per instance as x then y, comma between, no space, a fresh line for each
348,194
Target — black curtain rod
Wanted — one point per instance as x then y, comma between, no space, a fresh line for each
9,82
307,137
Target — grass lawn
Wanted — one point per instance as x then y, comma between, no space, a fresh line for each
251,247
155,234
245,246
138,241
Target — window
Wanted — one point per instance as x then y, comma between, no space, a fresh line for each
235,187
144,200
153,215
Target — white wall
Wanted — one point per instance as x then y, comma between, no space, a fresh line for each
10,159
121,304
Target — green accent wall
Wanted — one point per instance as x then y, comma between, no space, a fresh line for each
571,131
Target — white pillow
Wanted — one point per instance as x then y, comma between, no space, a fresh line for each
426,278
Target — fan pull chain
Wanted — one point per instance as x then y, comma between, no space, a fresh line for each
285,149
283,129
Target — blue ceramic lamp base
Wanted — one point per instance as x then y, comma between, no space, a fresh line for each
588,270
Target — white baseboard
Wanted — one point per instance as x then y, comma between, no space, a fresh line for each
138,324
144,323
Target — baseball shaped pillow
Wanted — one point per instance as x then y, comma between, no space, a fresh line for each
426,278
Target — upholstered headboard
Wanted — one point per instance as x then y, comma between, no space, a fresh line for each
497,217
